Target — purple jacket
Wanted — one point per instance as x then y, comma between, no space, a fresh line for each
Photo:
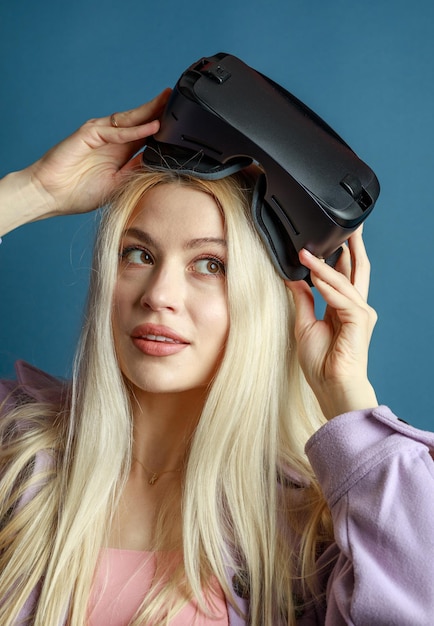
377,475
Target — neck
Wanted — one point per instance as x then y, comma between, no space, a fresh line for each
163,427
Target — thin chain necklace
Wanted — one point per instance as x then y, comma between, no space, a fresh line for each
155,475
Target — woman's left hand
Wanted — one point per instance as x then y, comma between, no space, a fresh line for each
333,352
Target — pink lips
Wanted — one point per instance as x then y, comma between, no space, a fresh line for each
155,340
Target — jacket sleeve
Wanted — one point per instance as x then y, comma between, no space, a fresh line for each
377,475
31,384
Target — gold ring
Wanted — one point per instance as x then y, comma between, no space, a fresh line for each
113,121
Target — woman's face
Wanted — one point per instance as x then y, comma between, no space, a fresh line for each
170,313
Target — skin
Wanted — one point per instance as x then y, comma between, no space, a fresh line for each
172,276
171,284
77,175
333,351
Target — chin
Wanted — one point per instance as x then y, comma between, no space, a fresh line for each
166,386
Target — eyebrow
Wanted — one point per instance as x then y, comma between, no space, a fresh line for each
193,243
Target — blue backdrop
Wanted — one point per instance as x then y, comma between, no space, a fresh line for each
365,66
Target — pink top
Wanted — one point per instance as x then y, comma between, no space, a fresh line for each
122,579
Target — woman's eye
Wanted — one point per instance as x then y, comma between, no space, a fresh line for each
210,266
137,256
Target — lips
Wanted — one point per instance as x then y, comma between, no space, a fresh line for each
155,340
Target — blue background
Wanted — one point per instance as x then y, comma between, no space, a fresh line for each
365,66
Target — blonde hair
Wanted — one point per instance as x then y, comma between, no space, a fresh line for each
256,420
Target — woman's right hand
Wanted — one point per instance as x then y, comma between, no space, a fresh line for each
79,173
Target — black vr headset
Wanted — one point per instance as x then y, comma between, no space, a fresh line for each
312,191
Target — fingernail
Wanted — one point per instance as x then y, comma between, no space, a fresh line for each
306,251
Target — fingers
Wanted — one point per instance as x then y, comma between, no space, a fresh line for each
335,287
343,264
142,114
126,127
361,267
347,300
304,304
333,351
352,268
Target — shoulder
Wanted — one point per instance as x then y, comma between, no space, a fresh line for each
32,385
356,448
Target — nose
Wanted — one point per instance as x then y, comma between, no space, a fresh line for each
163,289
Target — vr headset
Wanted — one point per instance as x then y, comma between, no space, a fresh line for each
312,190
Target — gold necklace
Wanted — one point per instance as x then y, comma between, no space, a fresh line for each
155,475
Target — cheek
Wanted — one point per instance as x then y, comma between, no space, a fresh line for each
125,294
216,321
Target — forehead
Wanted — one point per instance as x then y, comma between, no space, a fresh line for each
177,208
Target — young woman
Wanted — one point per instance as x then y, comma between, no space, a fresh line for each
219,456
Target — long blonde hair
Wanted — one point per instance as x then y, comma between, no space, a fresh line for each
256,420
